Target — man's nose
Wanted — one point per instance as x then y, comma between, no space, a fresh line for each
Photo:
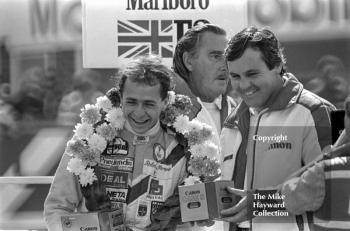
244,84
139,110
224,68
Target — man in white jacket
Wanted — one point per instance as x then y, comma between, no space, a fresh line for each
278,128
202,75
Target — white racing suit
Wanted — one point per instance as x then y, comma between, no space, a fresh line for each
139,173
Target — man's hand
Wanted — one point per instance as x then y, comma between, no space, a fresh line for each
206,223
240,212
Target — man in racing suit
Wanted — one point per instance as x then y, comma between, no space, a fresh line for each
143,165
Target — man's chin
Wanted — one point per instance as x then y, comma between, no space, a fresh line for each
140,130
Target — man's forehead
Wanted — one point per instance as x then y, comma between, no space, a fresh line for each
211,37
141,91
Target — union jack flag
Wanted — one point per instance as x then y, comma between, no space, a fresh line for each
136,37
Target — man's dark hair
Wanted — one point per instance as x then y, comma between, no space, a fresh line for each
263,40
147,70
189,42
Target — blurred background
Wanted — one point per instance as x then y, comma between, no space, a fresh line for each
43,84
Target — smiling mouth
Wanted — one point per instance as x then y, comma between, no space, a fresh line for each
139,122
250,92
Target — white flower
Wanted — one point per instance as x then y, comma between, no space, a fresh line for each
199,133
90,114
97,142
192,180
6,115
181,124
87,177
206,149
107,131
116,118
104,103
83,130
197,150
76,166
196,125
171,97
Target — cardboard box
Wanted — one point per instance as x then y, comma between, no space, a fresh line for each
219,198
205,200
96,221
193,202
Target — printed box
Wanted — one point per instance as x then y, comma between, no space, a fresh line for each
193,202
97,221
219,198
205,200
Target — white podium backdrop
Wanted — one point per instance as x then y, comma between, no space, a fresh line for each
117,30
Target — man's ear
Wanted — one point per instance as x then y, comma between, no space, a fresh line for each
165,102
278,69
187,59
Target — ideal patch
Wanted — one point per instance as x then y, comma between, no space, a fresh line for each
114,179
118,147
158,152
117,194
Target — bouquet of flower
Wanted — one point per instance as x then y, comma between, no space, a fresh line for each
203,162
99,125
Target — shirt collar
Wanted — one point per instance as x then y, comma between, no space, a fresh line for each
216,101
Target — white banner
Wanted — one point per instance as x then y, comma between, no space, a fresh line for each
117,30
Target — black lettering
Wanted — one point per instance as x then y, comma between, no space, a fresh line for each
185,4
165,5
103,177
111,194
149,5
133,5
180,27
288,146
280,145
203,6
193,7
175,6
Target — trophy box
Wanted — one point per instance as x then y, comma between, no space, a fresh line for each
97,221
205,200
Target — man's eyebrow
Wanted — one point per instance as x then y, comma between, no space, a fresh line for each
149,101
216,52
252,71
